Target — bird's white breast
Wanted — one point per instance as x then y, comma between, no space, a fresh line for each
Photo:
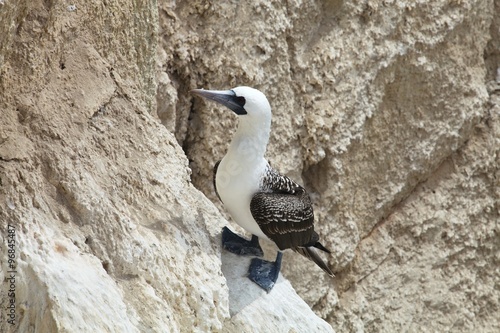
238,179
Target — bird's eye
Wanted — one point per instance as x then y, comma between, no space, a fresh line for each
240,100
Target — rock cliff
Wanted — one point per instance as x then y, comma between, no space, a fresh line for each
388,112
105,230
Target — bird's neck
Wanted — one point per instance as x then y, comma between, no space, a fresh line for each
250,142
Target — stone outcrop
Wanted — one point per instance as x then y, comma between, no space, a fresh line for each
109,233
388,112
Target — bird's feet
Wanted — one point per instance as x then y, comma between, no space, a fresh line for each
265,273
240,246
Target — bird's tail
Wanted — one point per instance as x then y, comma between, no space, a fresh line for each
310,253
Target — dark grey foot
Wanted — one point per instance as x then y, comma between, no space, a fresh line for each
265,273
240,246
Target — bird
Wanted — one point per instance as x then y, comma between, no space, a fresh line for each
262,201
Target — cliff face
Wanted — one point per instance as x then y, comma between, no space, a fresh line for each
106,231
387,112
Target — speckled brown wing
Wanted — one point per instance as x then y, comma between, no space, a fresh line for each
285,218
284,212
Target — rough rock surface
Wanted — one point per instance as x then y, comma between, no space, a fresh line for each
387,112
110,234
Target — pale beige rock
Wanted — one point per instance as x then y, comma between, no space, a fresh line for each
440,270
386,111
110,234
371,100
254,310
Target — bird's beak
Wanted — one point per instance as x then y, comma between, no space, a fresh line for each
227,98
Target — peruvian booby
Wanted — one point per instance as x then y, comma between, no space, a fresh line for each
261,200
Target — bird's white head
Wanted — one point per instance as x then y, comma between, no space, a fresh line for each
256,104
250,104
254,113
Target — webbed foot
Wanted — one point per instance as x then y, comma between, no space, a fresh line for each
239,245
265,273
